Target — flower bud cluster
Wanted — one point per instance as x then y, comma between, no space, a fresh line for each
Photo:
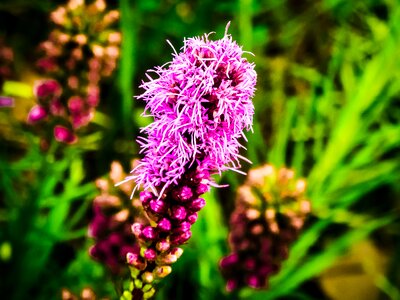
113,214
201,105
172,216
81,50
269,213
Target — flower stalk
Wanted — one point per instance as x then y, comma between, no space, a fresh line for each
201,104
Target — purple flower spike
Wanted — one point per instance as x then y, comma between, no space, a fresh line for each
201,103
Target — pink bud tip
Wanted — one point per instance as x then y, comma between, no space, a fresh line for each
192,218
36,114
149,233
64,135
197,204
178,212
146,196
164,224
157,206
150,254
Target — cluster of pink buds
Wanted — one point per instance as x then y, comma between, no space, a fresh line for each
269,213
172,216
201,106
113,214
81,50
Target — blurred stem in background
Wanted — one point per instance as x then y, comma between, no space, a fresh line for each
129,21
245,11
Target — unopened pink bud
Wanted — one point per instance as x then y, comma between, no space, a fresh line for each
149,233
163,245
137,229
178,212
197,204
157,206
164,224
36,114
64,135
192,218
150,254
136,261
146,196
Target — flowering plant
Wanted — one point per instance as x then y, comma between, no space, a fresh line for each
269,214
201,103
82,49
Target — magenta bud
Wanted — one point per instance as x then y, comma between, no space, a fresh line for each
149,233
163,245
202,188
76,105
150,254
253,281
203,174
265,270
47,88
231,285
164,224
250,264
157,206
178,212
64,135
137,229
185,193
36,114
192,218
184,226
146,196
197,204
179,239
135,260
229,261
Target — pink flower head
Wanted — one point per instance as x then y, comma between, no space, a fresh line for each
201,103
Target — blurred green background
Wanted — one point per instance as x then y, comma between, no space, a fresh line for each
327,105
